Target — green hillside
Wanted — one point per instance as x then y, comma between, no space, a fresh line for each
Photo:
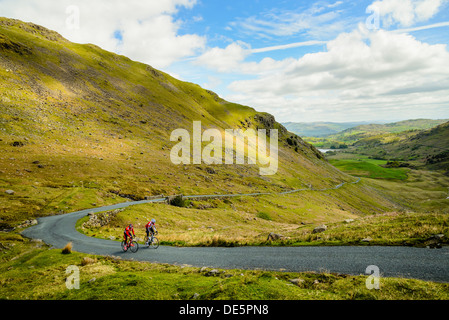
429,148
364,131
387,132
83,127
412,165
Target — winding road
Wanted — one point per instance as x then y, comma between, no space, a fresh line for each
407,262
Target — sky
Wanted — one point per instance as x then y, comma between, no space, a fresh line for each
302,61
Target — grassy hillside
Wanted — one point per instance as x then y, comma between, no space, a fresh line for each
428,148
386,132
83,127
418,149
413,166
246,220
364,131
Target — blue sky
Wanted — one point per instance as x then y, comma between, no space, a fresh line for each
299,60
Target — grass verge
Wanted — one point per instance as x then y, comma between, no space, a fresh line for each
29,270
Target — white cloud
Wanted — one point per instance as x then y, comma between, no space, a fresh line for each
336,4
212,82
232,60
405,13
427,9
318,20
360,71
289,46
224,60
426,27
155,41
149,32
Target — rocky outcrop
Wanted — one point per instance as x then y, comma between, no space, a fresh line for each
319,229
28,223
274,236
100,219
434,241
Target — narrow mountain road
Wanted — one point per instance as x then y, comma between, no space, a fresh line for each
407,262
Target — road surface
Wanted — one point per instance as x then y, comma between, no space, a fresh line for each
407,262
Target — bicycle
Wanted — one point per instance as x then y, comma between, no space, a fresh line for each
152,241
131,245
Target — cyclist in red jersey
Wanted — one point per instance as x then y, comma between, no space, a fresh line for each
129,232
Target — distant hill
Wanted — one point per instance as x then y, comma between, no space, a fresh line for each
356,133
429,148
319,129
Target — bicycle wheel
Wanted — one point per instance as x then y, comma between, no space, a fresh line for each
155,243
134,246
145,241
124,247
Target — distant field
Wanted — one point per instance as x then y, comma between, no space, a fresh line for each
420,189
369,168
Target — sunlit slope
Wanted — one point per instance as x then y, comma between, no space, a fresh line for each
79,125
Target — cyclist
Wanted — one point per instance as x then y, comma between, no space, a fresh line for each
128,231
151,227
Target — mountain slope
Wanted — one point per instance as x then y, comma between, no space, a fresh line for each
80,125
351,135
426,147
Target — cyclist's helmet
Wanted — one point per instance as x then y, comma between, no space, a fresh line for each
153,220
130,225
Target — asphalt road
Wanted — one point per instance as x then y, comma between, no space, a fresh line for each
407,262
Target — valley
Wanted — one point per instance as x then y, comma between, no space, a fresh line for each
83,128
408,163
